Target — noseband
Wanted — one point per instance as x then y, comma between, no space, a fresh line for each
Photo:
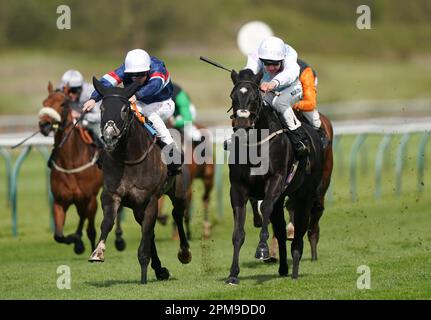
243,111
119,133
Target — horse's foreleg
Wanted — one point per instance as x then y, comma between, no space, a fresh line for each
59,219
257,219
238,201
86,210
145,251
208,184
302,214
279,226
179,207
120,243
161,272
273,190
110,205
314,229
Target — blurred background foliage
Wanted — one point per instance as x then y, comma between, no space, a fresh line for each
390,61
326,26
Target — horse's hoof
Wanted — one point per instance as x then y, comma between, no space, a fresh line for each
79,247
163,274
262,253
232,281
96,257
185,256
271,260
120,244
283,272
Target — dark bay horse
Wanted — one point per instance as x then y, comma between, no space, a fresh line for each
285,176
135,176
318,206
75,177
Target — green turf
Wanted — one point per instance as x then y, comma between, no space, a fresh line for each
390,235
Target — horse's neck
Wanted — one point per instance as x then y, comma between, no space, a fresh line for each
137,140
73,145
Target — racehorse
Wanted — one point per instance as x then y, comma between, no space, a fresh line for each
286,176
75,178
135,176
319,205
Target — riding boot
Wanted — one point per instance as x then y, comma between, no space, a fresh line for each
174,157
300,141
323,138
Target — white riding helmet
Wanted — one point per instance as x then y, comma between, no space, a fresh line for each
72,78
137,60
272,48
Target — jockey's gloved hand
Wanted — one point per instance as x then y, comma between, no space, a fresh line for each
89,105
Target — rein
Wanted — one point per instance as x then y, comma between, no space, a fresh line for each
132,112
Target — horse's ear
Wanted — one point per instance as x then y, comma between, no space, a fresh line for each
259,76
131,89
100,88
234,76
50,87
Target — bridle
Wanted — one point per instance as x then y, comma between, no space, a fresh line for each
248,113
123,130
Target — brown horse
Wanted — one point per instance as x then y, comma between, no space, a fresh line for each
75,177
203,171
318,207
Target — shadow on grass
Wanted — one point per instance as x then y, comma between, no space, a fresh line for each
111,283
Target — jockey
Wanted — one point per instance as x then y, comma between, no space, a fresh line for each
307,105
185,112
73,85
278,62
153,97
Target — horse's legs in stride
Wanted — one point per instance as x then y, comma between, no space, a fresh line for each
88,209
302,214
257,219
110,205
148,220
279,226
238,202
120,243
161,272
273,191
179,207
290,226
59,219
208,183
314,230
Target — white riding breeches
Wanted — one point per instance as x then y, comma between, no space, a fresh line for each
284,102
313,118
158,113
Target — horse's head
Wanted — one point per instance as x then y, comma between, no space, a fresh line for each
246,99
116,113
54,111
